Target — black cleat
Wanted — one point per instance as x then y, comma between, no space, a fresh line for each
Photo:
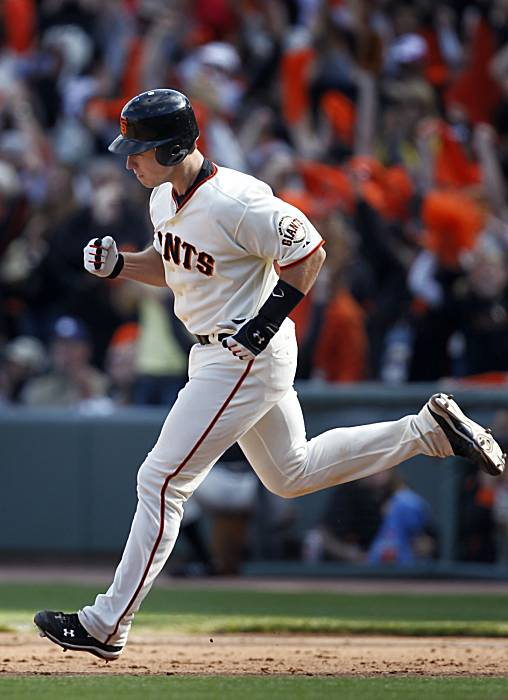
467,438
66,630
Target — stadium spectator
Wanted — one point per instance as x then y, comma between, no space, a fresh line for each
339,315
407,532
364,111
121,363
378,521
23,359
60,285
161,354
71,379
229,496
476,526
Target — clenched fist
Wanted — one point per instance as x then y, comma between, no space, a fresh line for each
101,257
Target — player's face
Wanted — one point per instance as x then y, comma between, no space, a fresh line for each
149,172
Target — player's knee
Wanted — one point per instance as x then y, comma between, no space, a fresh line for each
283,489
285,493
146,480
286,483
153,475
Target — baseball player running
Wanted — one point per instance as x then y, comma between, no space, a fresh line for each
217,235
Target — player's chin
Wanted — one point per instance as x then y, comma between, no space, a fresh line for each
144,182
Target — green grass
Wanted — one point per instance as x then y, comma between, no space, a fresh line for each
253,688
213,610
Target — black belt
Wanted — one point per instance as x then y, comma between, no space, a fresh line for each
205,339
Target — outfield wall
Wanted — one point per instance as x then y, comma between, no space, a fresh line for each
69,477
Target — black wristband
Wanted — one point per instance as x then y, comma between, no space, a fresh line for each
281,302
118,267
257,333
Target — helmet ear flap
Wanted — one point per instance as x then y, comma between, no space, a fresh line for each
170,154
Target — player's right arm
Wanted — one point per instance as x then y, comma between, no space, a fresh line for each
145,266
101,258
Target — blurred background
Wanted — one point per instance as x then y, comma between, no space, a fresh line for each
386,123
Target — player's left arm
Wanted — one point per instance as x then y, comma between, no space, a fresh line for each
302,275
294,283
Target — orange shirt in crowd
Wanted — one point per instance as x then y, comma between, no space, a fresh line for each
20,21
453,222
475,89
341,348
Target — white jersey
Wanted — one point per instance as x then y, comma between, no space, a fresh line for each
220,244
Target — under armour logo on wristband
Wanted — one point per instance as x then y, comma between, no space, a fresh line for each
67,632
258,338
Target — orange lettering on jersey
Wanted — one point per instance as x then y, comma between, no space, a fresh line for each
206,264
189,251
172,248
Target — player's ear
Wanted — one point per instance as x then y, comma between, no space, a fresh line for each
168,154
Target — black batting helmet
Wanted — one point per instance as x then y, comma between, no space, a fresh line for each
162,119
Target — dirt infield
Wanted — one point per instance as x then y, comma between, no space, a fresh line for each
26,654
149,653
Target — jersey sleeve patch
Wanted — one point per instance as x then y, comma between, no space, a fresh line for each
297,236
291,230
275,230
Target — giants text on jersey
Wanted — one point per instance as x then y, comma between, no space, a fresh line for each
220,243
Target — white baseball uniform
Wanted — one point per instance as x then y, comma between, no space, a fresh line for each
219,245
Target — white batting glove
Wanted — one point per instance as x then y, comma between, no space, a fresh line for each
100,256
238,350
251,338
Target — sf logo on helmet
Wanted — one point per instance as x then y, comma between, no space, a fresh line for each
123,126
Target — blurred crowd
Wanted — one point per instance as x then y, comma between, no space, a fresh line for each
383,120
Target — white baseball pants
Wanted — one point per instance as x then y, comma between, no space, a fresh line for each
224,401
